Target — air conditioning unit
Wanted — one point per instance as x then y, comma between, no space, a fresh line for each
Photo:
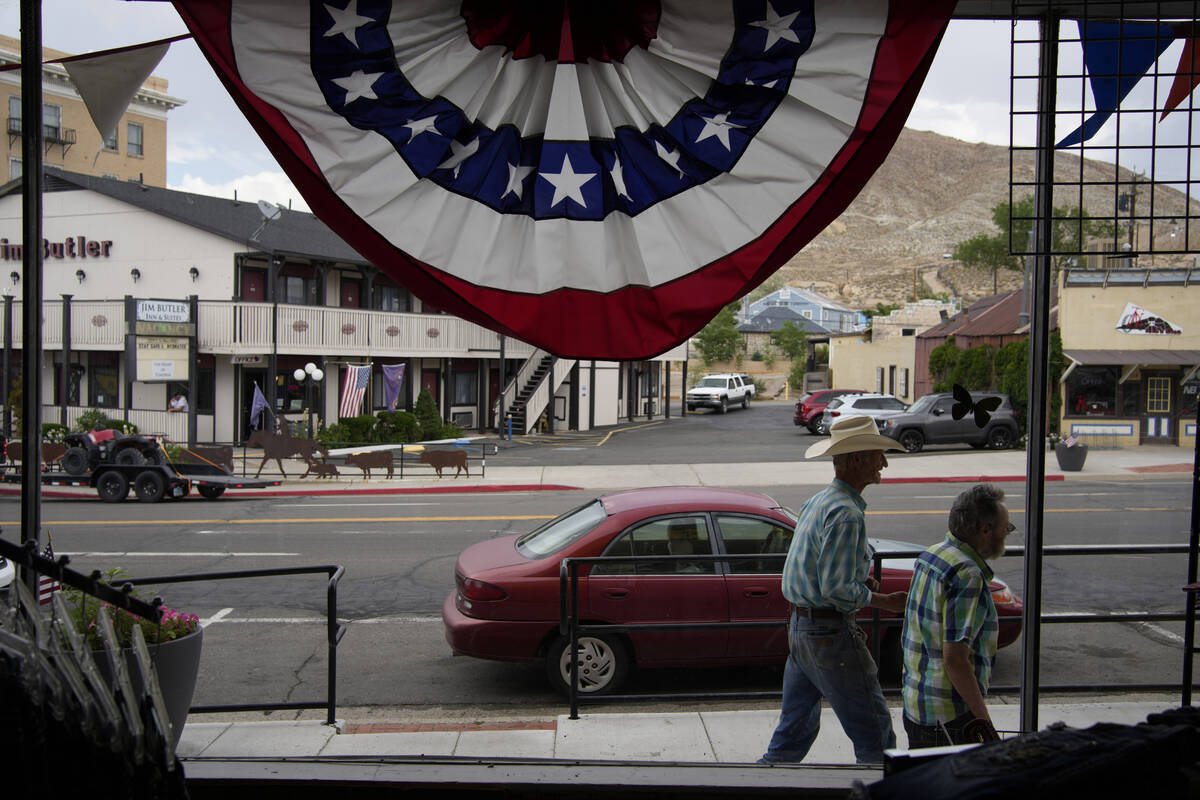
464,419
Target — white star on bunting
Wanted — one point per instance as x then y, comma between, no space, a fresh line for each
516,180
777,27
717,126
459,153
617,173
422,125
358,84
567,183
669,156
346,21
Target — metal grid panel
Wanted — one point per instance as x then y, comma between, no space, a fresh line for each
1124,197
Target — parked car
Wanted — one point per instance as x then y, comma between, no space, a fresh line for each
7,575
720,392
930,421
810,407
878,406
505,604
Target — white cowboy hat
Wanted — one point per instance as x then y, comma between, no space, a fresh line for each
852,435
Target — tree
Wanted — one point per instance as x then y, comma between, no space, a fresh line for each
791,340
1072,228
719,339
428,416
880,310
942,361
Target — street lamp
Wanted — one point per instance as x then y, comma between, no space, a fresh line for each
308,376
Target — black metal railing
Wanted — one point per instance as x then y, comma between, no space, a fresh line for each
334,631
571,626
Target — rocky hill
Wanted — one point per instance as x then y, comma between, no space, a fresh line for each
931,193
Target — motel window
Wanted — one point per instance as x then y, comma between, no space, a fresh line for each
298,290
464,386
1092,391
133,139
391,298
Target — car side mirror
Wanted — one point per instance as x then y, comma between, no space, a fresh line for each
937,412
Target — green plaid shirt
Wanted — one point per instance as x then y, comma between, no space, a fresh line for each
949,601
830,558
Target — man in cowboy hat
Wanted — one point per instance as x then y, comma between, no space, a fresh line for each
826,578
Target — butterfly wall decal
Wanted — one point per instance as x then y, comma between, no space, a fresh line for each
982,408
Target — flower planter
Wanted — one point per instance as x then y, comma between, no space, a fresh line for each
177,663
1070,459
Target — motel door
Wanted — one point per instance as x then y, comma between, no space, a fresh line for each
1158,421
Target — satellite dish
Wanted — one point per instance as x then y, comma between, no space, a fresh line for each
269,210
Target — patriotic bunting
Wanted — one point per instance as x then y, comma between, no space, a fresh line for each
597,179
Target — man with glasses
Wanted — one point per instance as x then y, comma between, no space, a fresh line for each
950,625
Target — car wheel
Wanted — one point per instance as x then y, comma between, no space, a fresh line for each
724,405
813,428
149,486
74,461
603,664
112,486
1000,438
131,457
745,401
210,492
912,441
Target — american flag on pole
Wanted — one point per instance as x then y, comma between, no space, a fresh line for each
353,390
47,585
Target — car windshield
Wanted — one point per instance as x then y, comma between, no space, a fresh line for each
561,531
717,382
922,404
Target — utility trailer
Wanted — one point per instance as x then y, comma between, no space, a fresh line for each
151,482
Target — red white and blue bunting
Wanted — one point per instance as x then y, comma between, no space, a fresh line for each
596,179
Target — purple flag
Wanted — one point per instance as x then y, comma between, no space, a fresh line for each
393,379
257,406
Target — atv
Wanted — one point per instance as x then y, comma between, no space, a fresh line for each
86,451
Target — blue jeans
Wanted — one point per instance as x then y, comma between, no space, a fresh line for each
829,658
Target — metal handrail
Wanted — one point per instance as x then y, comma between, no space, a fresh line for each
334,631
570,625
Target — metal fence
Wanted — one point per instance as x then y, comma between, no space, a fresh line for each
571,626
334,631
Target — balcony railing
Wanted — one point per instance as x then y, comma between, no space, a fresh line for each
228,327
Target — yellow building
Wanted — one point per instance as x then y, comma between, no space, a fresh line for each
1132,347
882,359
136,152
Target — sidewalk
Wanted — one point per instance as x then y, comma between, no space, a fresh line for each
1131,464
704,737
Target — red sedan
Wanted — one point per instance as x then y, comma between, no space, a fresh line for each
505,605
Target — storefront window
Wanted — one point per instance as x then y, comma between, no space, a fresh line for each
1187,404
1092,391
1131,398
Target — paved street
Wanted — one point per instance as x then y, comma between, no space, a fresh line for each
265,638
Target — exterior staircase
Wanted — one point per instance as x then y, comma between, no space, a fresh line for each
532,390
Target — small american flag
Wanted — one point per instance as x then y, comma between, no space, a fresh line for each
47,586
353,390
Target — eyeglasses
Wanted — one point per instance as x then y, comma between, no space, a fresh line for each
1010,528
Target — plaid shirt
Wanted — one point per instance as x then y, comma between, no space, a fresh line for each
949,601
830,558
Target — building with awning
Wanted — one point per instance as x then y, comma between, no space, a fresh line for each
1132,355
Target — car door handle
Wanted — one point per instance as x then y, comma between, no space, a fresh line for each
756,593
616,594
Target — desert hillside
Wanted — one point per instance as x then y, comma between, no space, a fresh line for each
931,193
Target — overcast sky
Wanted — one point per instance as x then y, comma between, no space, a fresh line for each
212,150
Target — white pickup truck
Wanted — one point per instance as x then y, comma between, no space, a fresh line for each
720,392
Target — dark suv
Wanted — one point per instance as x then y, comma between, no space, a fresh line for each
810,407
929,421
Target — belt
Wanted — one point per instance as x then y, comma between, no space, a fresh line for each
818,613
